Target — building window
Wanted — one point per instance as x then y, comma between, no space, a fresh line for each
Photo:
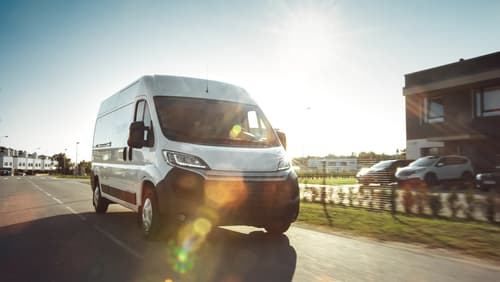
488,102
434,109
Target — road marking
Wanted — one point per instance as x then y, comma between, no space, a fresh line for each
57,200
119,243
108,235
18,178
6,178
76,213
42,177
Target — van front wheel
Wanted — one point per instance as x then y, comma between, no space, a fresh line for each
100,204
150,215
277,228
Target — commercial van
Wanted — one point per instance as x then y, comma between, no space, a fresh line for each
177,149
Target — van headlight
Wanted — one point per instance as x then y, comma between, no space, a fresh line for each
283,164
184,160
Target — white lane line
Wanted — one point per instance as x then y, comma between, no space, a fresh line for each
57,200
119,243
18,178
76,213
6,178
102,231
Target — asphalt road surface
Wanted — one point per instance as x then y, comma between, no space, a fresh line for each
49,232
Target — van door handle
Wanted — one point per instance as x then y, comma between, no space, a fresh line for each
125,154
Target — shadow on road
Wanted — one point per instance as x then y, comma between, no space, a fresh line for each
65,248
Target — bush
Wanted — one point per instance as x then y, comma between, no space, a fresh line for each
453,203
372,198
380,199
420,199
341,195
408,200
490,207
435,204
469,200
361,195
350,196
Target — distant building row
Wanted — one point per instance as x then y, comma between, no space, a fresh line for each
13,161
333,164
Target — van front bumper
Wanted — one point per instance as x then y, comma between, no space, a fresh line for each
236,200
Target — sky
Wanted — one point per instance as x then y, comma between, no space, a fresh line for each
327,73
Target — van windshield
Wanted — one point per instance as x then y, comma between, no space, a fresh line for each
214,122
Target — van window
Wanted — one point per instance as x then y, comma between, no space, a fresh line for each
142,114
214,122
111,130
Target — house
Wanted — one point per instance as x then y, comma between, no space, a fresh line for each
455,109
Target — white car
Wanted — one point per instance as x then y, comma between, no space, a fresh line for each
432,169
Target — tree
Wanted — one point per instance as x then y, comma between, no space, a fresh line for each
84,167
64,163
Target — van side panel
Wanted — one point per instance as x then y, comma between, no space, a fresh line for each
109,153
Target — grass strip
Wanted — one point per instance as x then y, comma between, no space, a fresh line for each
71,176
329,180
477,239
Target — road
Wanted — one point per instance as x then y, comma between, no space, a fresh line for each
49,232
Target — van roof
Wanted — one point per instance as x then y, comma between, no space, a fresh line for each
178,86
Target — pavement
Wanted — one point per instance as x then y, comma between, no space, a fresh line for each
49,232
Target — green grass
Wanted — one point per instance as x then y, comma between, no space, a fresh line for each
329,180
478,239
71,176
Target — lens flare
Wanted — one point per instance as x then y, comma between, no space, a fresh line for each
190,237
235,131
202,226
220,194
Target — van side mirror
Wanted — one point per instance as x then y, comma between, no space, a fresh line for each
136,134
282,138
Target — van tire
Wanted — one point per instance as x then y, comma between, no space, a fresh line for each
100,204
149,216
277,228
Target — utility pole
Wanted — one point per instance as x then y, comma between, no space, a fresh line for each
76,159
64,161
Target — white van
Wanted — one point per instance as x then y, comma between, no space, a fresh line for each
176,149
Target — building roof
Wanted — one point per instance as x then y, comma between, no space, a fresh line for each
462,72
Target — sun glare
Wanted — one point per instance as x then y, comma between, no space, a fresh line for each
308,38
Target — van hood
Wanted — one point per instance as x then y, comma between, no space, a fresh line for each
235,158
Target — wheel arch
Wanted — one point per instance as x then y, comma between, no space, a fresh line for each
146,184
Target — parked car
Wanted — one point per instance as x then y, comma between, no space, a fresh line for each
381,172
486,181
433,169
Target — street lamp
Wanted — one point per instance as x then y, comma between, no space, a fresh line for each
64,161
76,159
